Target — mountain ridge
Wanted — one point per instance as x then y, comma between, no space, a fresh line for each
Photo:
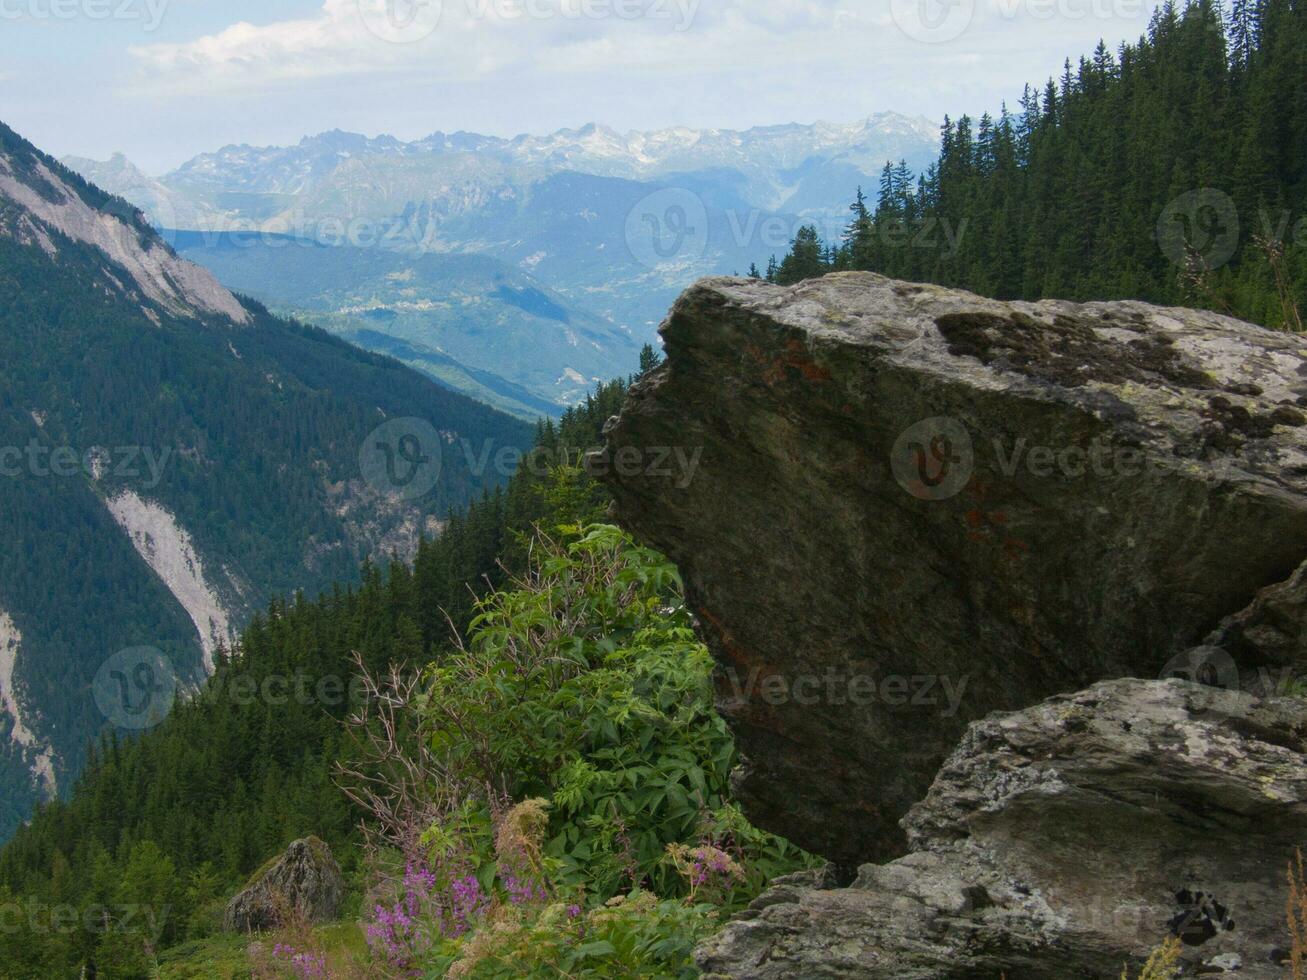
640,146
618,224
172,457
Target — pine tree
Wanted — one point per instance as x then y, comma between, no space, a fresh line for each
650,359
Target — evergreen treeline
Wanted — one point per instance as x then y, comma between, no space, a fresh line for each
176,819
1173,170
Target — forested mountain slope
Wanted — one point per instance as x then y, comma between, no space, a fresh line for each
1172,170
172,457
180,815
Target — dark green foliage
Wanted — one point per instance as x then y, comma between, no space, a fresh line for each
1065,198
256,431
807,258
242,769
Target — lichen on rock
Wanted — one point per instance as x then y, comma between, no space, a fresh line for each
1066,840
914,506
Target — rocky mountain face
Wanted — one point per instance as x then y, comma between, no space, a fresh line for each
171,458
42,203
915,507
773,161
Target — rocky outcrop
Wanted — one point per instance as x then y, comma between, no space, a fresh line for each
908,507
49,203
305,880
1270,632
1065,841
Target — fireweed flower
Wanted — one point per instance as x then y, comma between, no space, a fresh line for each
306,965
423,914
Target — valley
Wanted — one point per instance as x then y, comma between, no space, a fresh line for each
179,458
711,549
543,261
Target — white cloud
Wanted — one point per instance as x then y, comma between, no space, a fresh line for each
245,54
474,39
511,66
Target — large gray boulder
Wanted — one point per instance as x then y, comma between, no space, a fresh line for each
304,881
1064,841
900,507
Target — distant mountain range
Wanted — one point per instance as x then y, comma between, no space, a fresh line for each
172,457
610,226
782,168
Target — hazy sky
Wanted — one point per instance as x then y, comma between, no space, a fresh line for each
163,80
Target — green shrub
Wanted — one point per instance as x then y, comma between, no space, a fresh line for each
573,783
585,685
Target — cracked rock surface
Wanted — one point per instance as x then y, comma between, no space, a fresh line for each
1064,841
912,507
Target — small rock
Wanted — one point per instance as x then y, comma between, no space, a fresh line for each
1229,962
305,879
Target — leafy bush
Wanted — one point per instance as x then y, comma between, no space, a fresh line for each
586,686
581,691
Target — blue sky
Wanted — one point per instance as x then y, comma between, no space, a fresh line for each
162,80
